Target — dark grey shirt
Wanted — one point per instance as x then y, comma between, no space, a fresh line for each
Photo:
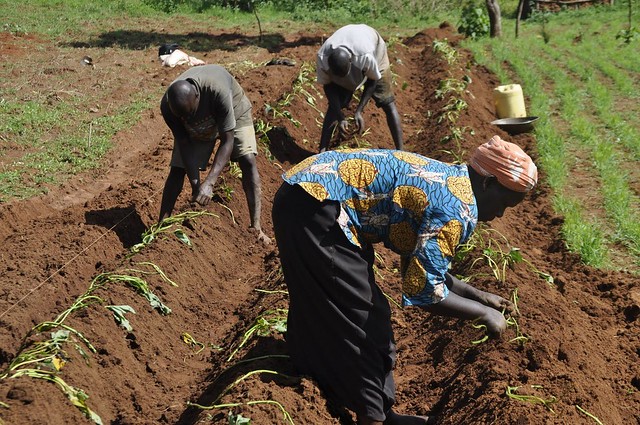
223,105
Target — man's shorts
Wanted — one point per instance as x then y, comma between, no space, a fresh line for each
383,94
244,143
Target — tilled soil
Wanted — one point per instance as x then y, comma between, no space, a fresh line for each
582,343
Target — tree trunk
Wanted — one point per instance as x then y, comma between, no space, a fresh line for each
520,6
495,20
526,8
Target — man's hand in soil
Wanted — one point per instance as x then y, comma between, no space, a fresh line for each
344,128
204,194
359,122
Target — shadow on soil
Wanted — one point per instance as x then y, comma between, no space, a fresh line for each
194,42
268,356
284,148
129,224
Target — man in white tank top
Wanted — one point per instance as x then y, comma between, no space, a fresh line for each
356,55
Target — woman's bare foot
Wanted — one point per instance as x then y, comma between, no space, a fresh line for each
395,419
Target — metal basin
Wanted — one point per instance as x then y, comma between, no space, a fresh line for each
516,125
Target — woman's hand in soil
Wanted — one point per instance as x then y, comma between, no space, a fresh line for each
496,302
494,321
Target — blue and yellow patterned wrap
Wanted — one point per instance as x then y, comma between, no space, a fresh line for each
418,207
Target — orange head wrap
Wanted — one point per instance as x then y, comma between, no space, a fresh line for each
507,162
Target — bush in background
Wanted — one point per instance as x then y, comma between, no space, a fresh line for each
474,21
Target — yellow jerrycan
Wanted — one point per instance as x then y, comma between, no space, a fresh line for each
509,101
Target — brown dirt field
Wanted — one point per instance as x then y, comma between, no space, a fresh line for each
583,330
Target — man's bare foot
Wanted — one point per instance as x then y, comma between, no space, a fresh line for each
266,241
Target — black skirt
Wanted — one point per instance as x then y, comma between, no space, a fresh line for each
339,326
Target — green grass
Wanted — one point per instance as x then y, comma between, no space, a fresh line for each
575,81
58,140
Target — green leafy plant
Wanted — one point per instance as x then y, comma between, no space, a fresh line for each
457,136
628,35
163,227
484,338
224,190
77,396
595,418
262,128
266,323
445,49
119,312
49,354
277,112
303,86
511,321
520,338
286,415
474,21
237,419
515,256
543,17
450,85
141,287
234,170
43,359
451,111
494,254
511,393
496,259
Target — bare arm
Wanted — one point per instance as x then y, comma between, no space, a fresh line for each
191,163
220,160
465,290
369,89
183,142
463,308
466,302
171,191
251,186
334,113
175,181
